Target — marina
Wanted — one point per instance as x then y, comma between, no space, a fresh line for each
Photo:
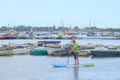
87,47
59,40
27,66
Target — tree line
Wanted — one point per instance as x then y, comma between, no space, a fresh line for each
54,28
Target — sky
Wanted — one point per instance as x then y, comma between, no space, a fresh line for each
69,13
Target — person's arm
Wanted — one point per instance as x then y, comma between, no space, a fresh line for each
72,48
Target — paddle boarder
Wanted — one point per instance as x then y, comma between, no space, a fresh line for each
75,49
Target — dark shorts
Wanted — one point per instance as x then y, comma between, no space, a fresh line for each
72,53
75,55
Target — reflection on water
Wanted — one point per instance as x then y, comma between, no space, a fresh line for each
76,73
26,67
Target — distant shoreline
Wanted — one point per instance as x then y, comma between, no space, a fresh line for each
62,38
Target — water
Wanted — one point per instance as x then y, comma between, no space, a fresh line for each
26,67
81,41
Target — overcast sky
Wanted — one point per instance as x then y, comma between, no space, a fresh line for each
82,13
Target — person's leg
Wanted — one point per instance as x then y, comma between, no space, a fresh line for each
75,58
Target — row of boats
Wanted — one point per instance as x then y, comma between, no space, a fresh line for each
35,49
53,48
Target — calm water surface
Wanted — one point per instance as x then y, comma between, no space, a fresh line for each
81,41
26,67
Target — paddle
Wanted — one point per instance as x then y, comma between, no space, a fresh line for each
68,59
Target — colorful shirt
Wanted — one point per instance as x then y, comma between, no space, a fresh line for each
75,48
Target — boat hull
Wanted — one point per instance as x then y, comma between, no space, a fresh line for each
38,52
105,53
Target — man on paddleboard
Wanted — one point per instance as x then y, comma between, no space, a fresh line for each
75,49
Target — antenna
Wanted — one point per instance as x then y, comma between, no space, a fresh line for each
90,22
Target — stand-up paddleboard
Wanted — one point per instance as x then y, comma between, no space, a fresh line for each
59,65
67,65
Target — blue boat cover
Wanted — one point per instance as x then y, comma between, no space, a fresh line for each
48,42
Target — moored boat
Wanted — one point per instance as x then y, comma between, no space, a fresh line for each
61,52
105,53
52,45
50,50
48,42
5,52
84,53
39,51
19,51
87,46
